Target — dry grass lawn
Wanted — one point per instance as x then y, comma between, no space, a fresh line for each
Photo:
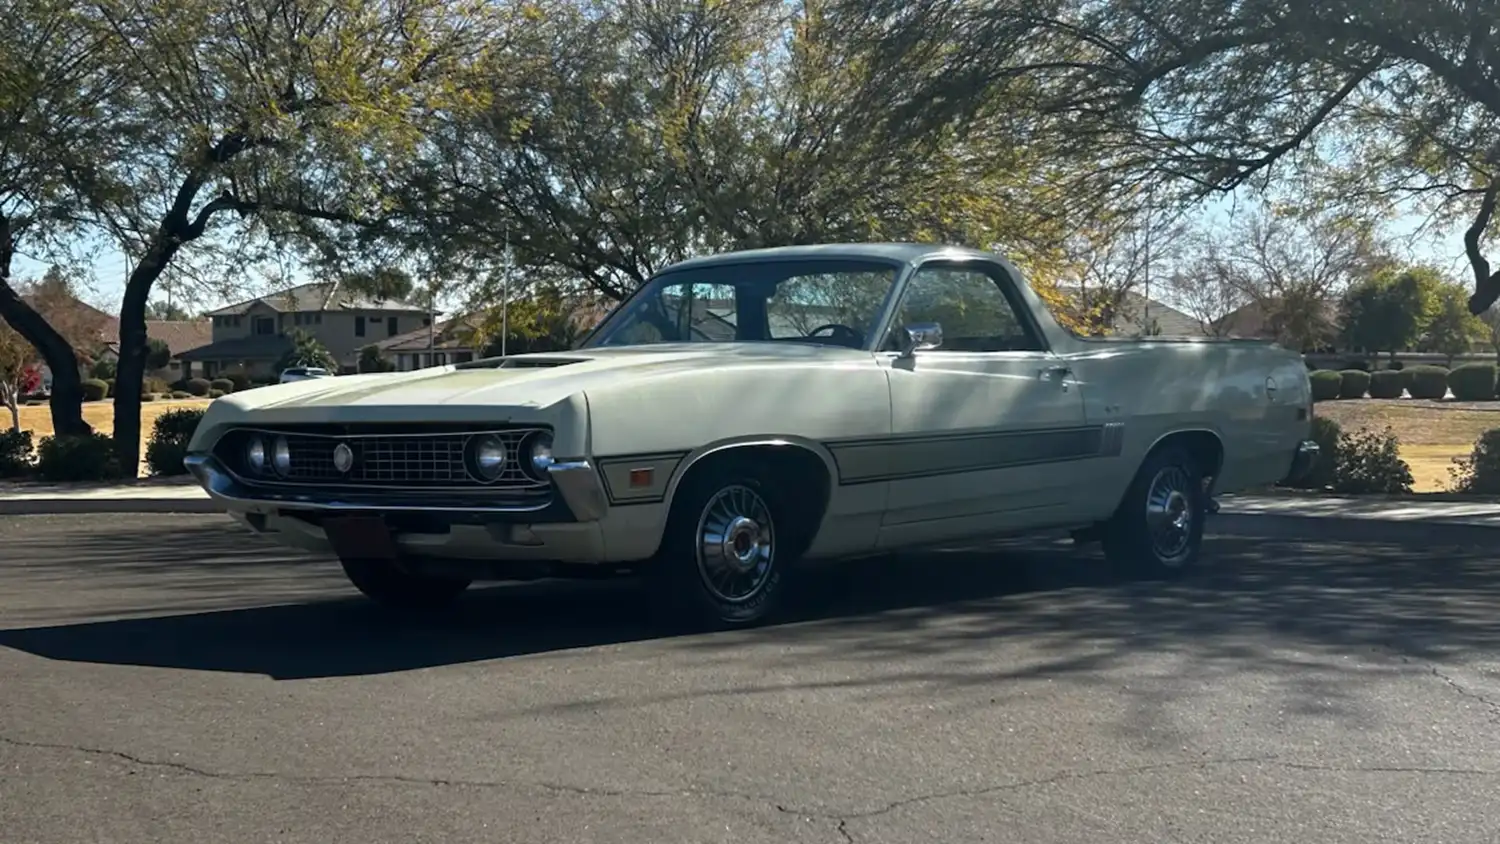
1432,433
101,415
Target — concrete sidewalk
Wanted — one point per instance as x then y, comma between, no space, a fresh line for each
1281,516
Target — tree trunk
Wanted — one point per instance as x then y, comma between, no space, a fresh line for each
134,349
56,351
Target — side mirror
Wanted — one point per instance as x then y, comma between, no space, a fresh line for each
920,337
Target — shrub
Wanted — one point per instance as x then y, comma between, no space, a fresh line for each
1353,383
1385,384
1357,363
169,441
1426,382
1325,384
1479,472
1370,462
181,394
1326,433
103,369
1473,382
216,394
95,390
148,396
15,453
109,383
239,380
1395,366
154,385
89,457
223,385
197,386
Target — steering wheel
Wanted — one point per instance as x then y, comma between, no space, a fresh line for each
854,337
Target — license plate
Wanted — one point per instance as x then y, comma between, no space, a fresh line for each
361,537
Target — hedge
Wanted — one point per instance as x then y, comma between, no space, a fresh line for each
95,389
1353,383
1325,384
1386,384
1426,382
1473,382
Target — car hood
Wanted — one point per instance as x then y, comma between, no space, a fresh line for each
536,380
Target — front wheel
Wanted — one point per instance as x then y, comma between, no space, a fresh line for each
383,582
724,559
1157,532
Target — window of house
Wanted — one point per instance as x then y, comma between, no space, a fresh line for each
359,326
265,326
972,307
440,359
390,326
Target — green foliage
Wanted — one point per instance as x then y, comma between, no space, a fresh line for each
1327,434
148,397
1389,312
88,457
1479,472
158,354
153,385
103,369
239,380
109,384
1473,382
1370,462
1426,382
223,385
216,394
1326,384
169,441
181,394
1353,383
1452,329
306,351
197,386
371,360
1386,384
15,453
95,389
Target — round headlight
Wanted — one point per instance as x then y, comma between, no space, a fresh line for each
255,454
541,453
281,456
488,457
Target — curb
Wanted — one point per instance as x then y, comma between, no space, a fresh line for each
105,506
1346,529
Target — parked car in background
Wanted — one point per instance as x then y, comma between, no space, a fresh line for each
743,416
303,373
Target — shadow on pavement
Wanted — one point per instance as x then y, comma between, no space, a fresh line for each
1257,595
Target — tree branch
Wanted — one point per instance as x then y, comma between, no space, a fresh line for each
1486,284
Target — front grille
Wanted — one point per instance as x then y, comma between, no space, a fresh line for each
390,461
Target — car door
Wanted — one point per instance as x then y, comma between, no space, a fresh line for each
988,426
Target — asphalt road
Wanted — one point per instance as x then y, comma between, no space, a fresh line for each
169,679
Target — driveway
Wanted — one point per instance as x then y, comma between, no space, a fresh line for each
171,679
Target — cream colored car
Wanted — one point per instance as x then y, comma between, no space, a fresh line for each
744,415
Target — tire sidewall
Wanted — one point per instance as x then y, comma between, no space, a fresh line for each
1129,539
679,579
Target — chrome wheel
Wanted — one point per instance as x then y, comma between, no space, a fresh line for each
736,544
1169,514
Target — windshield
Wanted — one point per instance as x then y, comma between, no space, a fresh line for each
807,301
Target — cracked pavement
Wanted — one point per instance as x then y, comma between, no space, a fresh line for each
170,679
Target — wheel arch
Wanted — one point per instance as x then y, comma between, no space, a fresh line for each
1204,443
805,453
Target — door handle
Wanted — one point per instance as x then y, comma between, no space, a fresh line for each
1059,374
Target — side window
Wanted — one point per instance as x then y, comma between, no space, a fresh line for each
972,308
685,313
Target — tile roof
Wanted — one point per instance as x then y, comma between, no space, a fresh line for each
181,335
319,296
446,334
255,347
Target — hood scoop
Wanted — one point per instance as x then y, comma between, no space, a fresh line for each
527,362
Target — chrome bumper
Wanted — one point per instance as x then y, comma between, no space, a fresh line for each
1303,460
578,487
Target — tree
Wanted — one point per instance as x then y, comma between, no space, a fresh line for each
306,351
1389,100
16,356
164,311
371,360
159,354
1452,330
277,113
57,130
1391,311
644,133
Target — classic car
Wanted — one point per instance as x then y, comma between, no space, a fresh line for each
743,416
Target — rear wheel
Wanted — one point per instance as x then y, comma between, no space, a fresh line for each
386,584
1157,532
729,544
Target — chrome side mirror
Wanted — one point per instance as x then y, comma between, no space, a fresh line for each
920,336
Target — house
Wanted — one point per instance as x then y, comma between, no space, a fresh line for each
439,344
252,336
180,336
1255,321
1136,314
